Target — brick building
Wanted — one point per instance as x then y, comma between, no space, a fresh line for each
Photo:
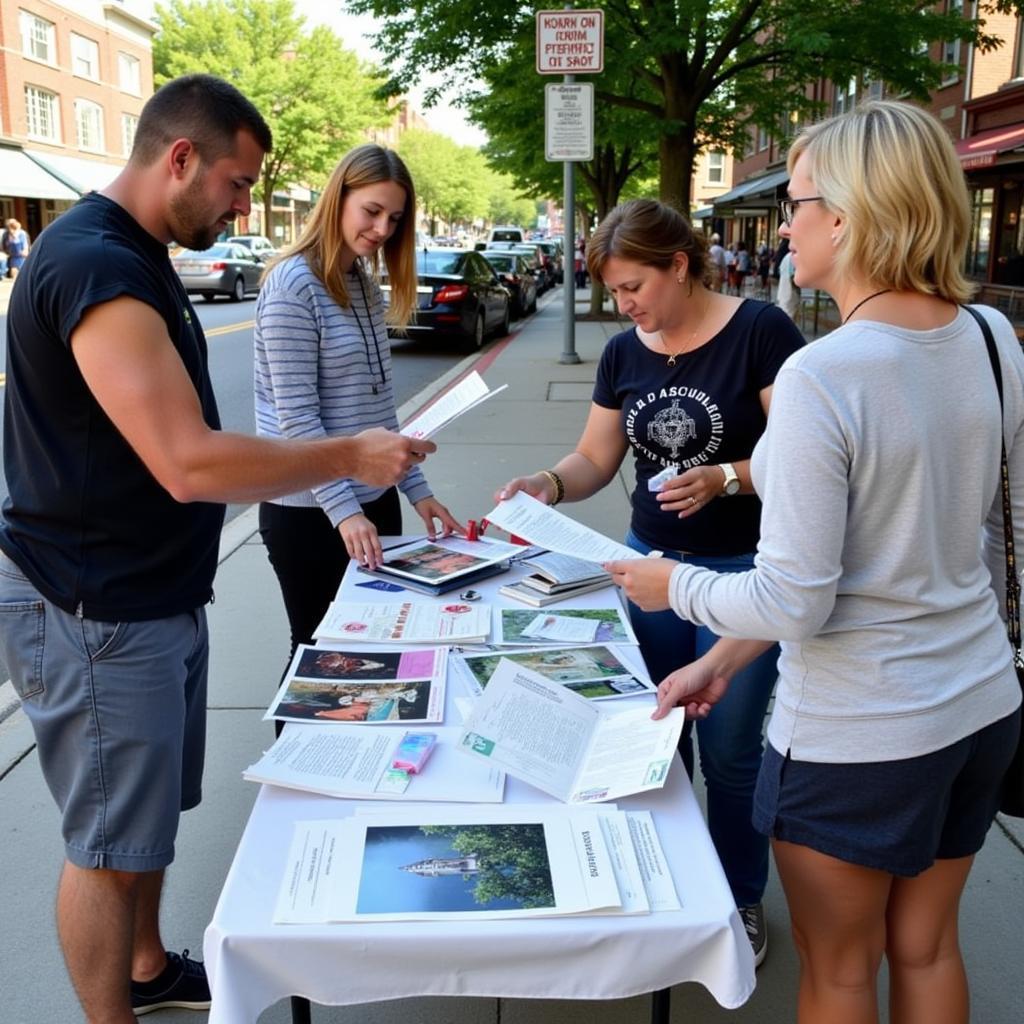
73,79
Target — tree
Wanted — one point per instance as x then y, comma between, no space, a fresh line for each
316,96
698,72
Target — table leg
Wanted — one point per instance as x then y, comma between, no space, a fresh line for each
661,1005
302,1013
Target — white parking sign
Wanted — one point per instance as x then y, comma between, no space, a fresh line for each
570,42
569,122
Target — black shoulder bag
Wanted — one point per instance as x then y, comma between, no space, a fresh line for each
1012,800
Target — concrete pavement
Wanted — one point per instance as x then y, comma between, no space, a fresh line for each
527,427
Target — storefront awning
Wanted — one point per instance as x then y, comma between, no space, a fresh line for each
752,193
22,177
704,213
982,149
81,175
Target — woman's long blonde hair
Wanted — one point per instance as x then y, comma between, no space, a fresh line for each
321,239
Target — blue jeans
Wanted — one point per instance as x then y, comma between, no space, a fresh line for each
730,740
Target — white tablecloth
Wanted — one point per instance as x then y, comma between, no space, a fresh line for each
252,963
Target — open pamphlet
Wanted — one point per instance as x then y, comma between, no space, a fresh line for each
359,764
437,566
597,673
466,395
410,622
470,864
563,626
542,733
546,527
369,686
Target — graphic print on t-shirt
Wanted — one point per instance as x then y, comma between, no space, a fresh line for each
679,426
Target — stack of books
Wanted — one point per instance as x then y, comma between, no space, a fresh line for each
556,578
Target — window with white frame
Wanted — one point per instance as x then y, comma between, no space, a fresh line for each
38,37
129,125
128,73
42,114
762,139
951,48
845,96
89,125
716,168
85,57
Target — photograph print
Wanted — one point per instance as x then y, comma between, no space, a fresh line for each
309,701
438,869
611,625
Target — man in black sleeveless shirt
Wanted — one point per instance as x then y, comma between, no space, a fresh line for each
118,471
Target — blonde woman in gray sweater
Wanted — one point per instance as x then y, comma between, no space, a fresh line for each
881,571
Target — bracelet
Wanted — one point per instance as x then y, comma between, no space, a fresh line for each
556,482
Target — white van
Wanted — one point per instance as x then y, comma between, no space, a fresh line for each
506,233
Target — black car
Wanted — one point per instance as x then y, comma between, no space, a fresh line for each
514,273
553,252
458,294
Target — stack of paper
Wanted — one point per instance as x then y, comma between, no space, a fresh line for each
478,863
353,763
565,626
422,622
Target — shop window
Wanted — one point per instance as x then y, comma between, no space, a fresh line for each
1009,263
979,243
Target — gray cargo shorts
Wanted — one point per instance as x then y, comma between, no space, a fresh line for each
119,714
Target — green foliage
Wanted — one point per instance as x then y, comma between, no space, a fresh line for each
513,861
693,74
316,96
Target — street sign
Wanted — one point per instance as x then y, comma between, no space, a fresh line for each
570,42
569,122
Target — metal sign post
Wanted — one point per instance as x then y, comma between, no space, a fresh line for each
569,41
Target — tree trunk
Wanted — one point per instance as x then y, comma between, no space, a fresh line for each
675,153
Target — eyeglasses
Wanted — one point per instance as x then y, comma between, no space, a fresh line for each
787,207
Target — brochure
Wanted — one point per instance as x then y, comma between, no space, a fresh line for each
352,763
466,395
596,673
547,527
411,622
369,686
526,592
463,864
553,572
526,626
543,733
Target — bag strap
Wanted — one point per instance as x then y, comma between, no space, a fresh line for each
1012,581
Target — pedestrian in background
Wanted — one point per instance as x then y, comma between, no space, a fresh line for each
323,369
117,471
687,387
882,569
788,294
716,263
15,244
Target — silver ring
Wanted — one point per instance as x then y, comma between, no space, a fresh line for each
693,501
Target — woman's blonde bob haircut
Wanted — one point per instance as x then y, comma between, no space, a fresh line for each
648,232
890,170
321,239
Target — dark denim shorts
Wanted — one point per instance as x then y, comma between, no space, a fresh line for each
119,714
896,816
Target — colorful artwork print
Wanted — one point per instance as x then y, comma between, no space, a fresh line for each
315,663
561,665
432,563
451,868
355,702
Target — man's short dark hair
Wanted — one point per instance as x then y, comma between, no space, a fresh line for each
202,108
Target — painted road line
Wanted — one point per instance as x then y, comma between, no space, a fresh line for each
229,328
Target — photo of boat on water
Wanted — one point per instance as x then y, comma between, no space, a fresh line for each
454,868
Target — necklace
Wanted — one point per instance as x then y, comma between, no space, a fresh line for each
873,295
373,332
673,356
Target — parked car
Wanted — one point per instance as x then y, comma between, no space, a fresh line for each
506,233
223,269
458,294
534,256
553,252
262,246
514,273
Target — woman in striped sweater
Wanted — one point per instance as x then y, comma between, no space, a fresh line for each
323,368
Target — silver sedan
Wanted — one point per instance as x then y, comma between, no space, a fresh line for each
223,269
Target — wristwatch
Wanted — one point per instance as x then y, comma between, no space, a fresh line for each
732,481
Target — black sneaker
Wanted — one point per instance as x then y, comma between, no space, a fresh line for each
757,930
182,984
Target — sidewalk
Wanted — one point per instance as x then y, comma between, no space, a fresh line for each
526,428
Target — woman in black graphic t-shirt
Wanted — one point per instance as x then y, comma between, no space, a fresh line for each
687,389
